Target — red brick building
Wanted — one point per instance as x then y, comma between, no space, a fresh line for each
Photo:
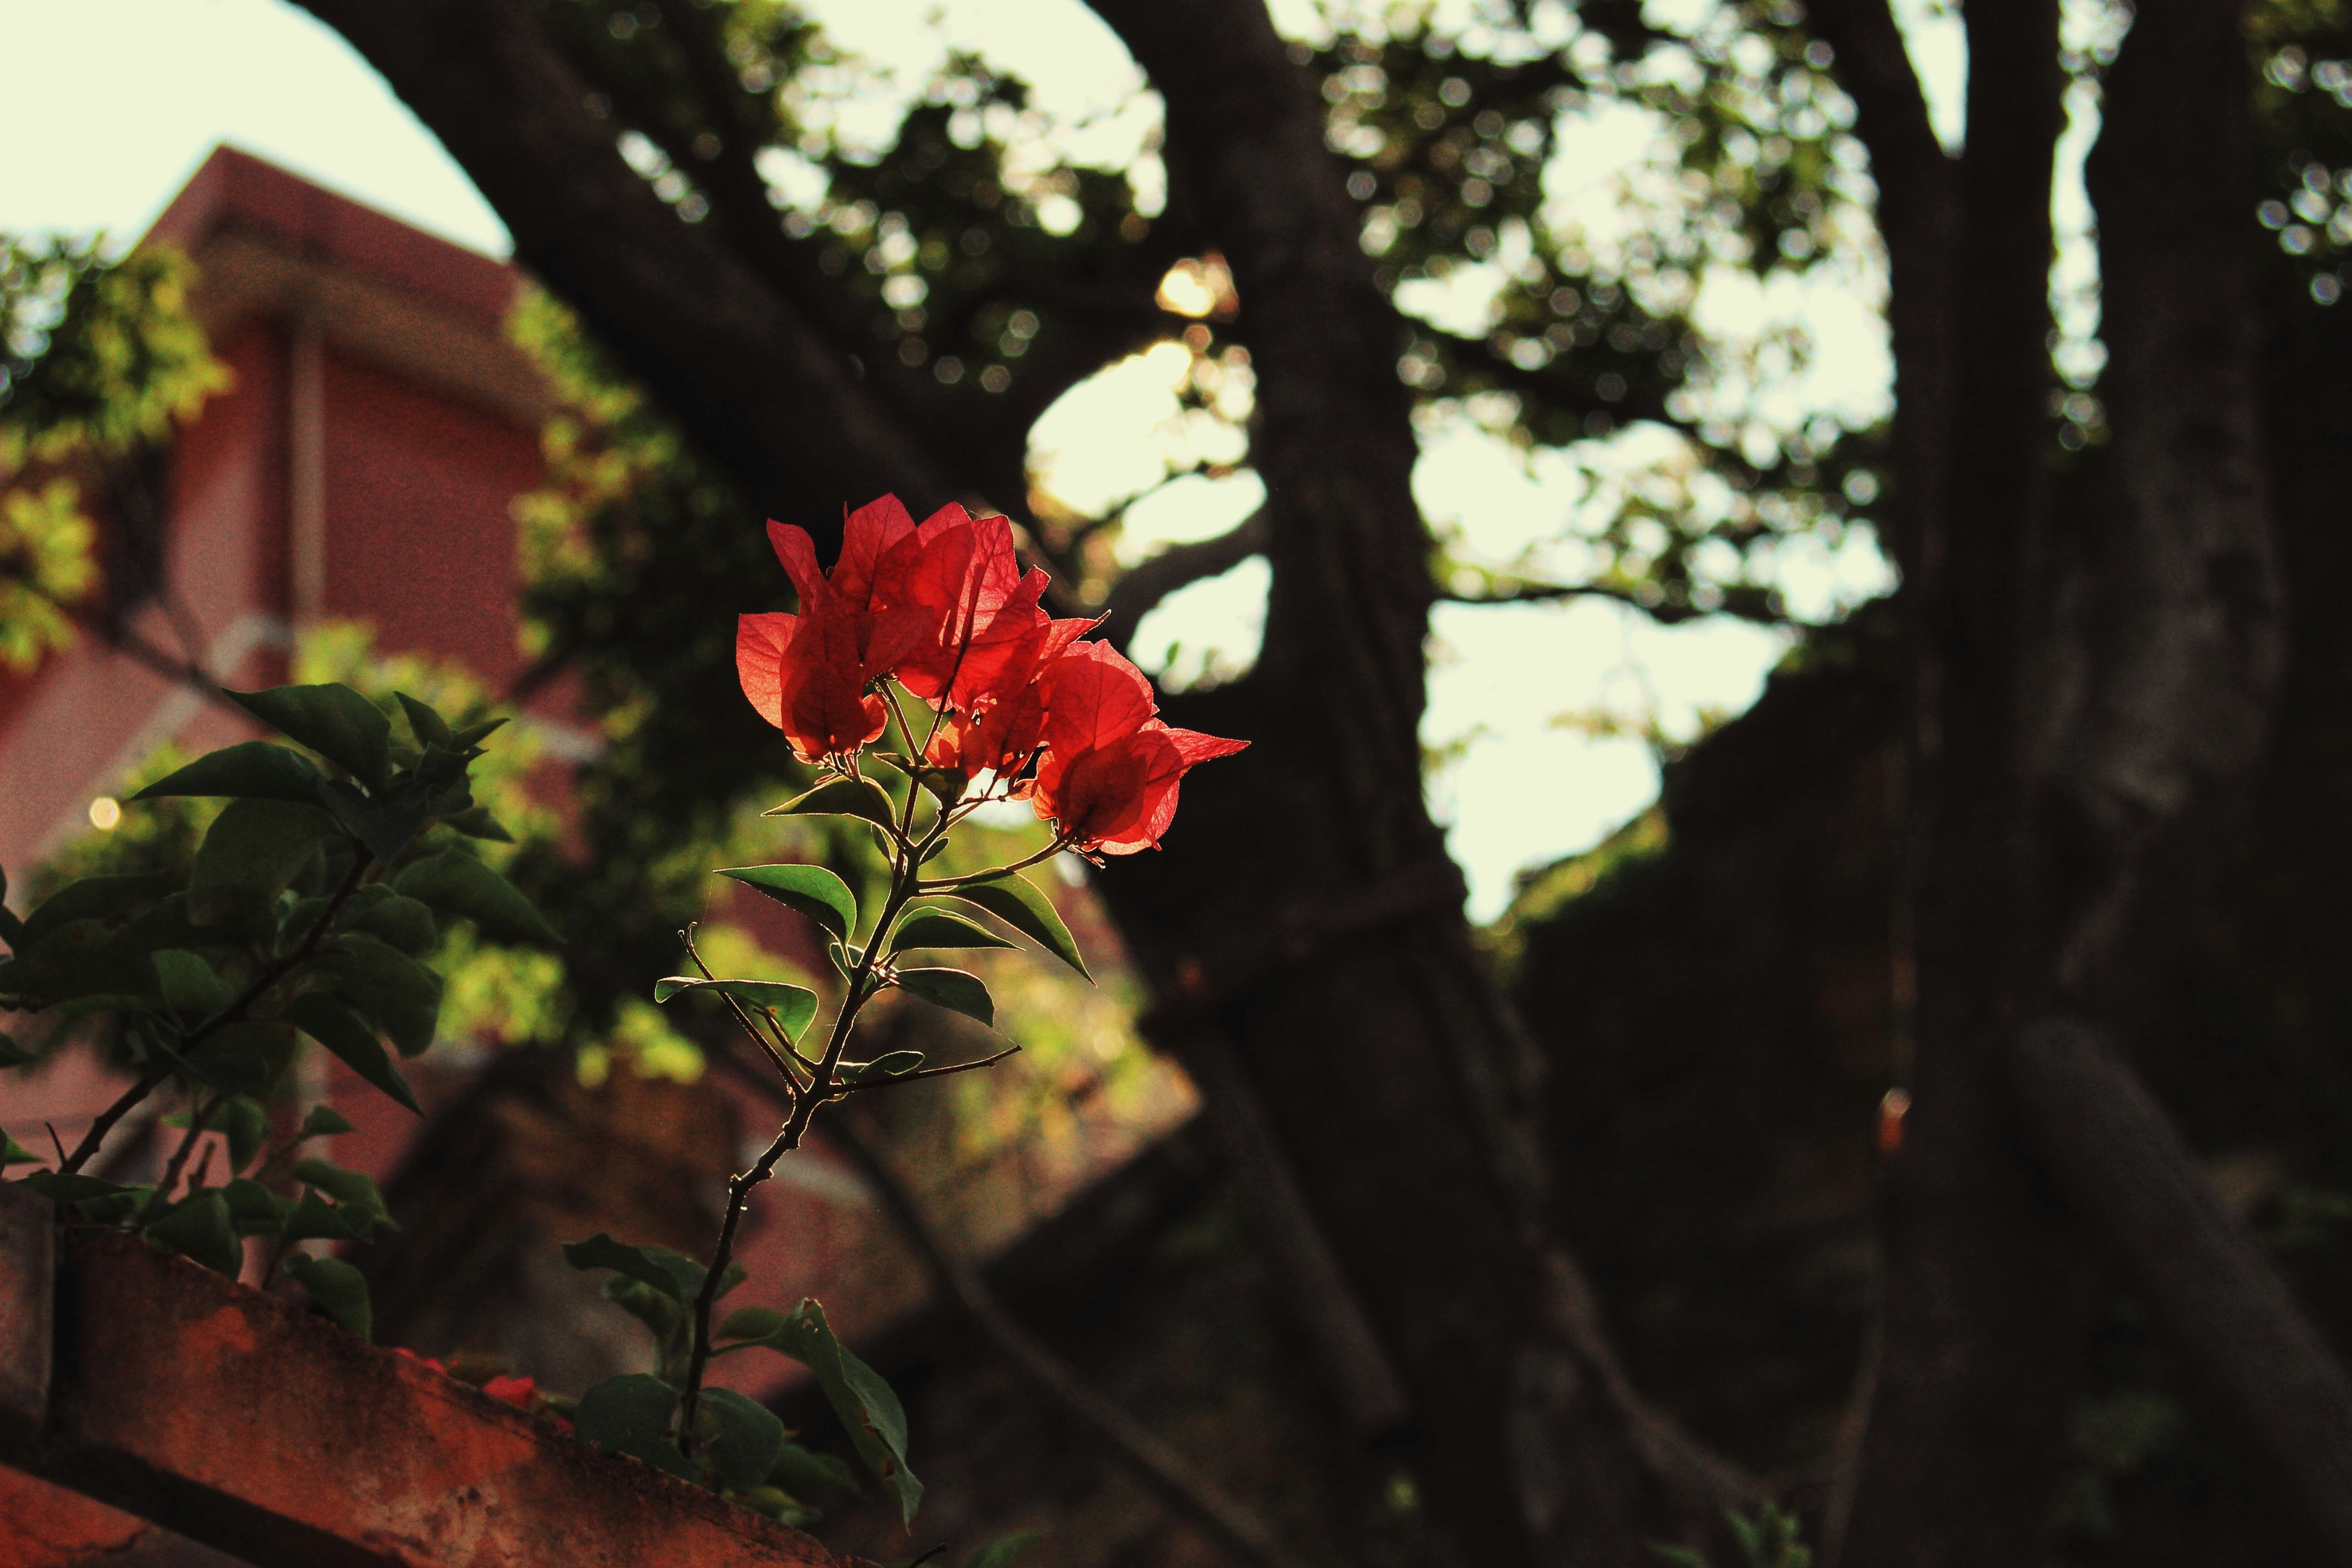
363,463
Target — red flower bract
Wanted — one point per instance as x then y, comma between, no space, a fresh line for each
946,610
1111,768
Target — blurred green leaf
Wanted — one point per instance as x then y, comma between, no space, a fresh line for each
254,850
198,1228
627,1415
674,1275
255,1209
325,1020
251,770
399,994
189,984
244,1125
748,1439
427,727
333,720
14,1153
456,883
339,1289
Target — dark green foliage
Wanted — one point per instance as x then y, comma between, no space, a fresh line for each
927,928
1016,901
811,890
283,916
954,989
337,1289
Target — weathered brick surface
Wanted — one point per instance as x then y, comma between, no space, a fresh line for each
242,1423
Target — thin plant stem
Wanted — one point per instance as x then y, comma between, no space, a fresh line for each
200,1113
153,1078
904,885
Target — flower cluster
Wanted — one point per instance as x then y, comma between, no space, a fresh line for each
944,609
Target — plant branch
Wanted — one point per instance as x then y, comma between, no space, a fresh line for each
235,1010
1135,593
862,1084
903,886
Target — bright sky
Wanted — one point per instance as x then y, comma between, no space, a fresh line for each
107,106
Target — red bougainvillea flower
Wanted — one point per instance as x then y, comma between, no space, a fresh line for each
1110,772
985,626
514,1391
809,674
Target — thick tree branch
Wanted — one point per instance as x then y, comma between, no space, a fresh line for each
783,412
2221,1304
1144,585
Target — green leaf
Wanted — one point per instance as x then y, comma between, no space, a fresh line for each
323,1018
91,898
935,928
14,1153
876,1422
354,1190
1016,901
664,1317
842,797
244,1056
428,727
456,883
400,922
385,823
476,822
627,1415
337,1289
1680,1556
747,1323
749,1437
473,735
189,984
811,890
401,995
256,848
953,989
792,1006
891,1064
74,1189
1005,1551
199,1229
673,1274
250,770
802,1470
245,1125
255,1209
314,1218
13,1055
322,1121
333,720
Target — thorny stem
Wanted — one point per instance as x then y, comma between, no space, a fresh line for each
904,885
153,1078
